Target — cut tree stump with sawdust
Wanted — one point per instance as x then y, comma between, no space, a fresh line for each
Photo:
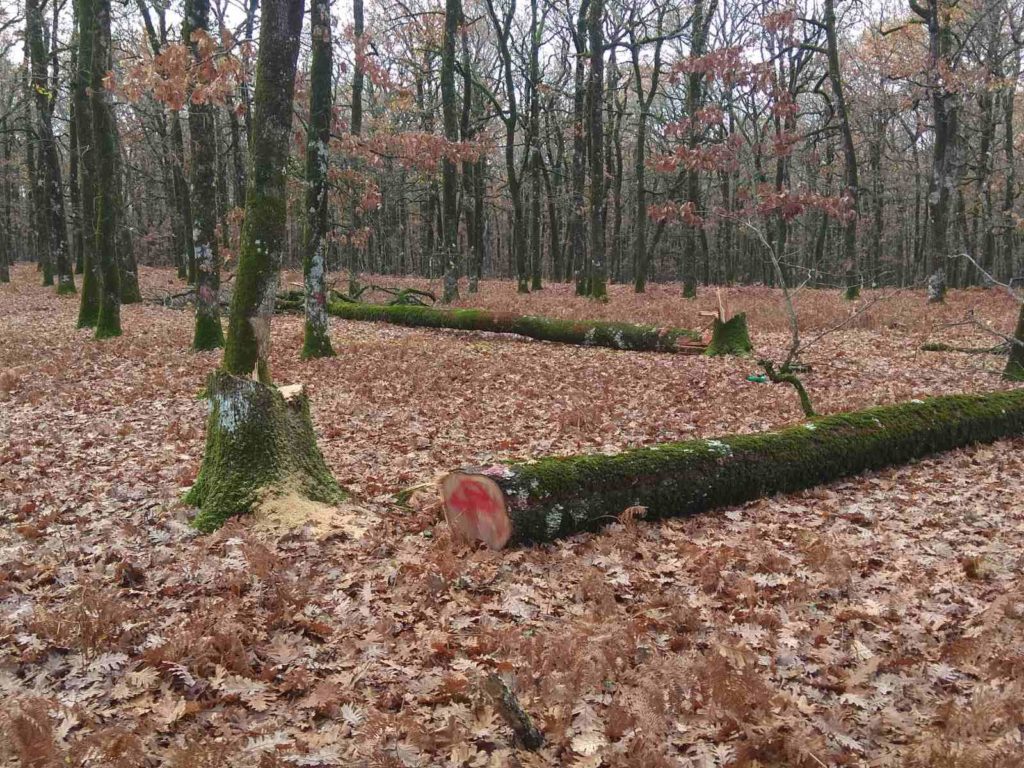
260,445
588,333
545,499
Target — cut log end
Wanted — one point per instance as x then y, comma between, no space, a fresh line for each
474,506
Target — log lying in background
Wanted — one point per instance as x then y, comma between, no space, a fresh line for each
998,349
546,499
640,338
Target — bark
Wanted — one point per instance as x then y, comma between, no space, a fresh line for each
356,126
945,164
449,172
74,189
850,179
127,267
89,308
1014,370
577,232
53,225
316,339
595,124
700,22
625,336
645,99
6,238
533,86
206,251
108,321
39,231
263,232
510,117
549,498
472,175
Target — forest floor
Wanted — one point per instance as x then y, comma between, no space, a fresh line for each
875,622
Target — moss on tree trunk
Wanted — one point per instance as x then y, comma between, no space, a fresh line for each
730,337
257,444
627,336
316,338
89,308
263,231
541,500
1014,370
208,333
108,321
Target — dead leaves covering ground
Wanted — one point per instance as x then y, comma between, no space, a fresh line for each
878,622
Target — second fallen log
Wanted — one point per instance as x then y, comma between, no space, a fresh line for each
589,333
545,499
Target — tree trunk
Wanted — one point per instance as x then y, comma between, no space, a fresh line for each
202,139
595,125
577,233
549,498
260,441
945,164
449,171
52,197
108,321
317,339
264,231
89,308
6,237
1014,370
850,180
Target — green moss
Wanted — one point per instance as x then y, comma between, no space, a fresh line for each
65,288
626,336
208,333
316,343
730,337
256,444
1014,370
263,226
89,308
108,321
553,497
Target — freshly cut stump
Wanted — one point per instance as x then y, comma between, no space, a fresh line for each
730,337
259,444
545,499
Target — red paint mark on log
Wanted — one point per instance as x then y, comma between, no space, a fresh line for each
472,499
475,507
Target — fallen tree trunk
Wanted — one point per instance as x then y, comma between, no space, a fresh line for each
641,338
998,349
537,501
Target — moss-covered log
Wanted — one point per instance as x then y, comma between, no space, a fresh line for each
259,443
541,500
730,337
998,349
643,338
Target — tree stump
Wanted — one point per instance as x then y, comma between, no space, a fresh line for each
259,442
730,337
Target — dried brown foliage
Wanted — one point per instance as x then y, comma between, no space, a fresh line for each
877,621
